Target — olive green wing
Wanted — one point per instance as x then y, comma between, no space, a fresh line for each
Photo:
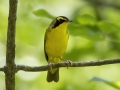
46,56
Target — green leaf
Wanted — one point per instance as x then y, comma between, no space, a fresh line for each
86,19
111,31
43,13
89,32
113,84
108,27
85,26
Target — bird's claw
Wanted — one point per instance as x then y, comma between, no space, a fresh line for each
67,62
50,65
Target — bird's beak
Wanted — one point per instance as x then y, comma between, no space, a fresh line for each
70,21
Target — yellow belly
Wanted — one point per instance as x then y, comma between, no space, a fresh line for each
56,44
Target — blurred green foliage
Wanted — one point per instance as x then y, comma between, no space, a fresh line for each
94,35
113,84
43,13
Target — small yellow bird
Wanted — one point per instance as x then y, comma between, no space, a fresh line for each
55,44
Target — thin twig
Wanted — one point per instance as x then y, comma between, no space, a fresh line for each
64,64
1,68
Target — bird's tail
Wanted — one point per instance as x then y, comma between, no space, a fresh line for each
53,77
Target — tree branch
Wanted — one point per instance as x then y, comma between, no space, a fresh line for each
1,68
63,64
9,69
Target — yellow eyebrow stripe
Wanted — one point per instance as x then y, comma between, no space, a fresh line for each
58,18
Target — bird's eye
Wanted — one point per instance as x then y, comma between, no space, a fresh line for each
58,22
61,20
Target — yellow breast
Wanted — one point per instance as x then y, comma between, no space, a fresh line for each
56,41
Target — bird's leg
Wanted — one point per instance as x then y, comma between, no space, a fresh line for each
67,61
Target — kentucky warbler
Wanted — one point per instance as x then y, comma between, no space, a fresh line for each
55,44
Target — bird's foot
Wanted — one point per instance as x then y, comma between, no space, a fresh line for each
68,62
50,65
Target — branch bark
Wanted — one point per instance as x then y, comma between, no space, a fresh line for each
63,64
9,69
1,68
